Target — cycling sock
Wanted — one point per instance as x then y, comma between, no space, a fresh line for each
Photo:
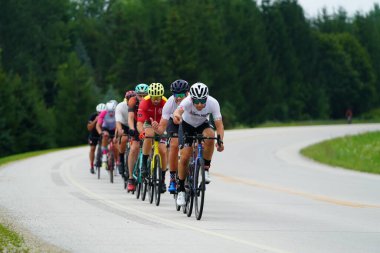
121,158
92,165
207,164
181,187
163,175
172,175
145,160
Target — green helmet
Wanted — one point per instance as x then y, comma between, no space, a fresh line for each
156,89
142,88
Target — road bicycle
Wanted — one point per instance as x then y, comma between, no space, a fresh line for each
195,185
153,181
138,175
98,156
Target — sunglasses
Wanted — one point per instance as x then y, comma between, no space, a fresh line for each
155,97
197,101
179,95
142,94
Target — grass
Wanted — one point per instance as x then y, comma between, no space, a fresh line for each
16,157
10,241
358,152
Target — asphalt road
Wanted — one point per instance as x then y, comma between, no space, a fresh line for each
264,197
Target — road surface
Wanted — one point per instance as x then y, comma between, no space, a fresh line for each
264,197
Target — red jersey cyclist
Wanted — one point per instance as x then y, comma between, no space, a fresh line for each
192,114
133,106
180,90
150,109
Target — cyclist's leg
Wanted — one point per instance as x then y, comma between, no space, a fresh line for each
104,146
93,141
208,152
147,145
173,163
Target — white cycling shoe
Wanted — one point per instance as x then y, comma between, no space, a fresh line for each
207,177
181,199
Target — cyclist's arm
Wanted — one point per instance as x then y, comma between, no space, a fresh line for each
92,124
119,128
162,126
140,127
219,128
177,115
131,120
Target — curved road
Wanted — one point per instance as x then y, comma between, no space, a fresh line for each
264,197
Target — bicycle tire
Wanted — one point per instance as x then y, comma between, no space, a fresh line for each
136,172
150,178
189,189
98,162
158,182
200,188
144,185
111,165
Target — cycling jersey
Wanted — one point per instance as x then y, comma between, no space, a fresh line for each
107,120
121,113
133,106
147,110
93,132
169,107
196,118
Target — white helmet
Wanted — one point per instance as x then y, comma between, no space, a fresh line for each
198,91
114,102
100,107
110,106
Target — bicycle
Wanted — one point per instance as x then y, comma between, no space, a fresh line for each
153,181
98,157
138,175
110,165
195,185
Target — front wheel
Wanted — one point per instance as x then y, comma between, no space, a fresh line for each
111,163
157,181
200,187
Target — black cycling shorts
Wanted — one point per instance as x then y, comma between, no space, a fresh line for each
186,129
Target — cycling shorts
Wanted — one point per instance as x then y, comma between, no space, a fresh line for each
186,129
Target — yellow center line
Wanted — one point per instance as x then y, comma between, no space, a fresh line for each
294,192
113,204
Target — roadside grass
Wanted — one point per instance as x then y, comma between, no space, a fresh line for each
356,152
314,123
10,241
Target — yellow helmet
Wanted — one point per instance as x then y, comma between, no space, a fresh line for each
156,89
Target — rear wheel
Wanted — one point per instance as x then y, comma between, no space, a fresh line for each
98,158
200,188
111,163
189,194
150,179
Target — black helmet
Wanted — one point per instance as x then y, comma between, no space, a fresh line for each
179,86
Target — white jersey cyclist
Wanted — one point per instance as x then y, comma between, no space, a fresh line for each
169,107
194,117
121,113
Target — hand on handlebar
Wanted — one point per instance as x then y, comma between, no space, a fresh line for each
142,136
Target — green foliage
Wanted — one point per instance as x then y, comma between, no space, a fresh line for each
10,241
75,101
263,63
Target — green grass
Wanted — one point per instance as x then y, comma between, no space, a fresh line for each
16,157
10,241
358,152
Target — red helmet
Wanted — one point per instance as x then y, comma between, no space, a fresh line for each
129,94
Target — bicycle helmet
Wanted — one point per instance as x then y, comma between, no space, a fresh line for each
156,89
100,107
199,91
129,94
110,106
179,86
142,88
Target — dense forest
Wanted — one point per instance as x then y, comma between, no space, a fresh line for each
263,62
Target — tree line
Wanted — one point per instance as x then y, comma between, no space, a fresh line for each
263,62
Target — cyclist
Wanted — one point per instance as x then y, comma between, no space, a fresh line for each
93,136
122,130
192,114
150,109
180,89
133,106
106,127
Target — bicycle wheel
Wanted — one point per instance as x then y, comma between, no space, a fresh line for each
157,183
200,187
137,176
111,164
98,162
189,190
144,186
